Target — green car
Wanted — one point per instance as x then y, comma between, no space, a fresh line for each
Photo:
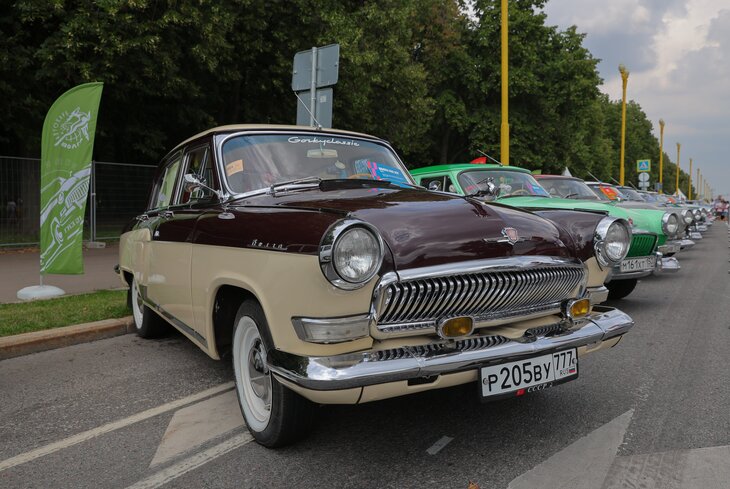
513,186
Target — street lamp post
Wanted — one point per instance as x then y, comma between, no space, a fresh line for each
676,185
661,156
504,139
624,80
689,183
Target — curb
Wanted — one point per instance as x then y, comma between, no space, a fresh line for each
27,343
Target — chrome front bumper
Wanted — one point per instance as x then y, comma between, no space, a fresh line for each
669,264
686,244
372,367
671,246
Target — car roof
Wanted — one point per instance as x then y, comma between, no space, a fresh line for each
466,166
564,177
274,127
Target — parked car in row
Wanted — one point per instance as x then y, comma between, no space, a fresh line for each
314,261
516,187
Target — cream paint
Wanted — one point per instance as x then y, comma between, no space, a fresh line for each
304,292
168,284
596,274
285,284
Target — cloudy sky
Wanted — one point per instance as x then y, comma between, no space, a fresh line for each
678,55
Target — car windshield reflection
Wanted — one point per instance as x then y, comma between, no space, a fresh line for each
255,162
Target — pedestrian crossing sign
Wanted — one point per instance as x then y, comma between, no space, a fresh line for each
643,165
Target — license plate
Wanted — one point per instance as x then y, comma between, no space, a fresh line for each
638,264
531,375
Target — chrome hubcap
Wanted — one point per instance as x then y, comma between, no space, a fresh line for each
253,379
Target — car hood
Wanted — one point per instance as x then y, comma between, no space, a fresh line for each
425,228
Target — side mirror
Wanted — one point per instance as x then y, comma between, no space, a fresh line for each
434,185
193,182
492,189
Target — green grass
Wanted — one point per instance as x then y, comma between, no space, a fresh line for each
64,311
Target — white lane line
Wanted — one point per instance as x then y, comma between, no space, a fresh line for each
584,464
114,425
197,424
191,463
439,445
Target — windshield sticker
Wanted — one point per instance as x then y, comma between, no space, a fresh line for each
609,192
322,141
381,172
234,167
537,189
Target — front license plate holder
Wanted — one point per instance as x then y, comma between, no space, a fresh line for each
640,264
543,372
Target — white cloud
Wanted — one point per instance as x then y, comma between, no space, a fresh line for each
678,52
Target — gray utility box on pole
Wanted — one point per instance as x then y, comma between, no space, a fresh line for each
315,69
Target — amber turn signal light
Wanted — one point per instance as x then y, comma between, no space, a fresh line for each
578,308
456,327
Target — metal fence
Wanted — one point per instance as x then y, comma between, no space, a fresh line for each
117,193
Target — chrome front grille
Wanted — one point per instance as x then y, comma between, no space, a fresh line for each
485,295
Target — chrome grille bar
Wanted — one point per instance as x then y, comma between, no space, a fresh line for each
486,294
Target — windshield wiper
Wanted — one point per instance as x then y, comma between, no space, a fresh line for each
574,194
291,183
522,195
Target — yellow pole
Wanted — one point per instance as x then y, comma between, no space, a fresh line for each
661,156
624,80
676,185
504,139
698,182
689,184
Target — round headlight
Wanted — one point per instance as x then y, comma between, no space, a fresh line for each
697,214
350,254
670,223
356,255
612,240
687,216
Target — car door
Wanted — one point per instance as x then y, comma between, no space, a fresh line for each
168,281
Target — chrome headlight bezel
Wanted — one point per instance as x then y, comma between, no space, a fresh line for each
329,244
600,236
666,224
687,217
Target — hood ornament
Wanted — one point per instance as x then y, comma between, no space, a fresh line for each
509,235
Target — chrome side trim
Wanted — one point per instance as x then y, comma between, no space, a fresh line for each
171,319
378,367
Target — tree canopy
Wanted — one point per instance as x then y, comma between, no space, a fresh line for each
422,74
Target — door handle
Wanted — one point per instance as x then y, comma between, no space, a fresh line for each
142,217
167,214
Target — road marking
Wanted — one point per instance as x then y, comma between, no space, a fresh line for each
115,425
583,464
439,445
699,468
194,425
191,463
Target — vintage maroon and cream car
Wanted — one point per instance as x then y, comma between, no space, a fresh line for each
313,260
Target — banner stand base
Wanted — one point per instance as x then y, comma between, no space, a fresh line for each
94,244
39,292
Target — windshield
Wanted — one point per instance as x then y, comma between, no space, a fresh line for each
567,188
254,162
510,183
649,197
631,194
607,192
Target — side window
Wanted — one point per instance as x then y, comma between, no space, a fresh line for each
443,183
197,163
166,186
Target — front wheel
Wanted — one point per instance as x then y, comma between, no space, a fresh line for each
148,323
275,415
621,288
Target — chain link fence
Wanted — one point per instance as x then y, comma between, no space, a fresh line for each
118,192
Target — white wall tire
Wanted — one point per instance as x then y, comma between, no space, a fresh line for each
274,415
146,321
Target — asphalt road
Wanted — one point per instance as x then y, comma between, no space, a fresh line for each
654,412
